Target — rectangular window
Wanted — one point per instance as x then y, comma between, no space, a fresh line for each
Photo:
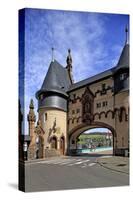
103,86
78,110
73,111
103,89
74,96
98,105
105,103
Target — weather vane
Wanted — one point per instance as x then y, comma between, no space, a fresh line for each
126,31
53,54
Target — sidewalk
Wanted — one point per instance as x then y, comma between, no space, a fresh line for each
115,163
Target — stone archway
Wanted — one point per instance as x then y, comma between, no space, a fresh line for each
75,132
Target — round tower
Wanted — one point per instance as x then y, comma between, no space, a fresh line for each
52,108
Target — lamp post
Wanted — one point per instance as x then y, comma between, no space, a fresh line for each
37,147
25,139
25,148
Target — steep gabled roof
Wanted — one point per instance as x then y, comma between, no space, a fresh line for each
93,79
56,80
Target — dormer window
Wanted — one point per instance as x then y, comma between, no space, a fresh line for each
123,76
41,96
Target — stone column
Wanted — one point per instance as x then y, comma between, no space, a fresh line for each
31,120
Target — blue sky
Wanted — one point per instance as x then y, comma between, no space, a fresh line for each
95,40
97,130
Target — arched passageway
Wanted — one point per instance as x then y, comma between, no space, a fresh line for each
96,140
98,137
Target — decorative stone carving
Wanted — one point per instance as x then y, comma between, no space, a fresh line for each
38,129
87,106
31,116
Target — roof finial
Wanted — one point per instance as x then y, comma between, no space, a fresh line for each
53,54
69,66
69,58
126,31
31,106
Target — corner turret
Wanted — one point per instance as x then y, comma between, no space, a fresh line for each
121,75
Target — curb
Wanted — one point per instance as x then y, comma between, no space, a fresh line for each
110,168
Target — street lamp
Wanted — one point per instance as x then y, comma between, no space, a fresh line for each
25,148
37,147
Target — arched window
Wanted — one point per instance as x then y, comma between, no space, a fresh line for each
45,117
53,142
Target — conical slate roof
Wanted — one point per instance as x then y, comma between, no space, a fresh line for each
124,57
56,80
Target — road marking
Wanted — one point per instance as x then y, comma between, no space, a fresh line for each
91,164
83,166
84,161
49,161
88,165
57,162
63,161
74,162
66,162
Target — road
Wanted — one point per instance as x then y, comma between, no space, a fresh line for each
70,173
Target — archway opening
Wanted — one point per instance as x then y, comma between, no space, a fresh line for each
96,140
92,140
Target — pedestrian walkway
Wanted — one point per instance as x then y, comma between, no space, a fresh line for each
69,162
116,163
